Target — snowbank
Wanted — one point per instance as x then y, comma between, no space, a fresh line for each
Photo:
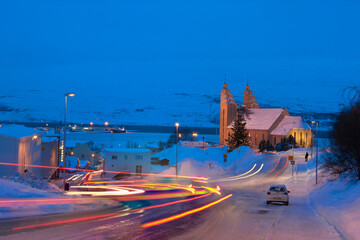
339,202
208,162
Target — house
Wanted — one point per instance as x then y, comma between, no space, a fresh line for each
21,146
269,124
134,160
84,151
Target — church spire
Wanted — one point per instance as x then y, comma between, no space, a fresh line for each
225,84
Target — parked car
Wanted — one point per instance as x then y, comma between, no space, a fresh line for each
277,193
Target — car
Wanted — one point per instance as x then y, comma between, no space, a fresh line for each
277,193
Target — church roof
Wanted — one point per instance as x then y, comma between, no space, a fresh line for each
288,123
261,118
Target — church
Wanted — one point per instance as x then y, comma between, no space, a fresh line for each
269,124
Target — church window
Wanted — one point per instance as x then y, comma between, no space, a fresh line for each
306,139
255,138
301,140
274,141
263,137
295,136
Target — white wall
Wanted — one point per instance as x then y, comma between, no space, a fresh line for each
8,154
129,164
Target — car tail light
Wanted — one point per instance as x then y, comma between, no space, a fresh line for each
268,193
285,193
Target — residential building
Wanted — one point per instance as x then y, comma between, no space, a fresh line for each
134,160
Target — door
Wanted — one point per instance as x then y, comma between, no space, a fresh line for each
138,169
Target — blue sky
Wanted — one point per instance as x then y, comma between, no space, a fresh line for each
184,46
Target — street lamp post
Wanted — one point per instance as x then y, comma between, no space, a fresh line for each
64,172
203,143
177,146
317,148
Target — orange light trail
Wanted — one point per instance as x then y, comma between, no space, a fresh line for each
65,221
181,215
273,168
282,169
89,170
172,203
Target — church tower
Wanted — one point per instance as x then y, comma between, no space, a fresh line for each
227,112
249,99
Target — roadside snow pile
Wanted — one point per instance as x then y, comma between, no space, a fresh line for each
33,181
11,189
208,162
339,202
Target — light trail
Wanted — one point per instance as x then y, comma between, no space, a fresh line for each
281,169
273,168
171,203
243,177
184,214
221,179
65,221
89,170
109,191
213,190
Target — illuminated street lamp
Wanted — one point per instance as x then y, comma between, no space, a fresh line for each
177,146
317,147
194,134
64,172
91,124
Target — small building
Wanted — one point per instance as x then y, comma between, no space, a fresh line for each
49,155
84,151
21,146
134,160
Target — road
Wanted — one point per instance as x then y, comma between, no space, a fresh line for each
243,216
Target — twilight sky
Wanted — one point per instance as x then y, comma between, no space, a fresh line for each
179,46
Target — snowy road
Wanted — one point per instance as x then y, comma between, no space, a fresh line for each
243,216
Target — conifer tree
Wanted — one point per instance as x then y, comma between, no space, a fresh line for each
239,136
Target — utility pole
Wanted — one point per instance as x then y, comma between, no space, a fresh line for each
64,170
177,146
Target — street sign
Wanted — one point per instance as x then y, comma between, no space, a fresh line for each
291,158
225,158
292,162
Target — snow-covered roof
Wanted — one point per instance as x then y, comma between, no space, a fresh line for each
261,118
18,131
288,123
127,150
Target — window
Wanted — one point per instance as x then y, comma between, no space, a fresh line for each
139,157
113,157
306,143
263,137
301,138
138,169
125,157
255,138
295,136
274,141
82,156
42,148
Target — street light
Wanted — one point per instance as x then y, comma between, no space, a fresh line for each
177,146
194,134
64,172
317,147
204,143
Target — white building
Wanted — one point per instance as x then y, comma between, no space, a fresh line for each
20,146
134,160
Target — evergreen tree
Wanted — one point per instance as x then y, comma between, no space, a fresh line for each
239,136
269,146
262,146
